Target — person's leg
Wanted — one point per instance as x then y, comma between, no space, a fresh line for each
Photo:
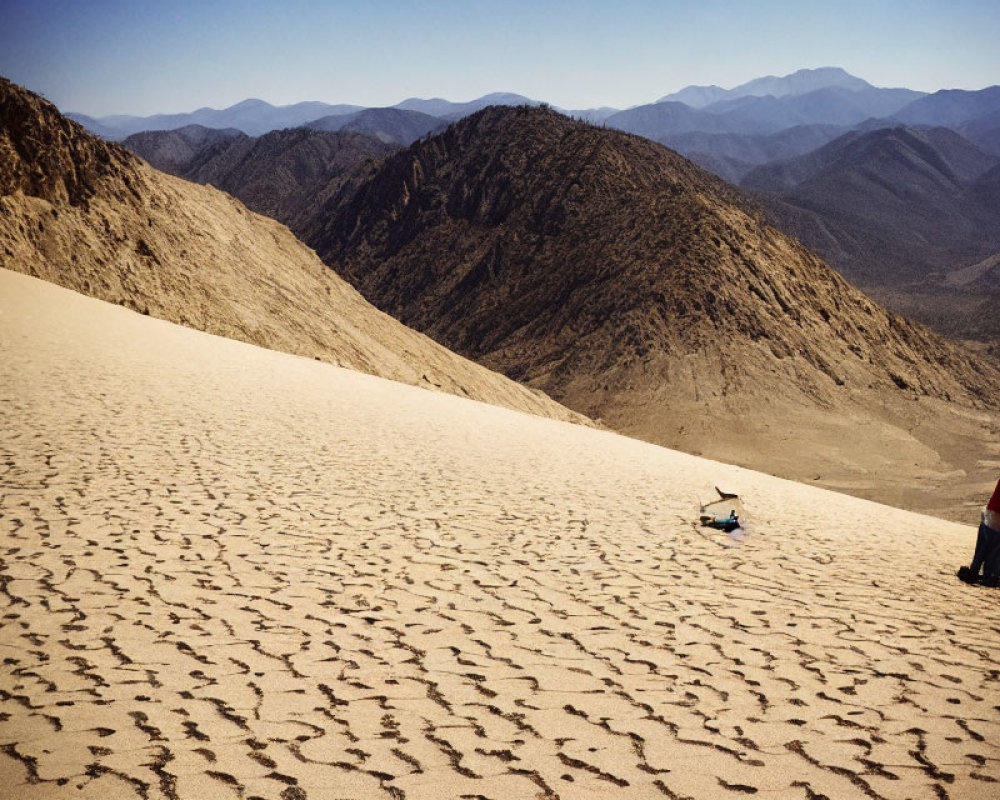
984,540
987,554
991,561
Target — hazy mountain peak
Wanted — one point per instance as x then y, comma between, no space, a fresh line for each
802,81
439,107
696,96
504,98
249,103
951,107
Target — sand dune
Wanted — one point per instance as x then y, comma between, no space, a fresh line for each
233,573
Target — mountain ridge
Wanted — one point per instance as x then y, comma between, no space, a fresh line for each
389,125
119,126
898,202
282,174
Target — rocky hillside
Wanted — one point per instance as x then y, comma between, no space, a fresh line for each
631,285
283,174
182,151
887,206
90,216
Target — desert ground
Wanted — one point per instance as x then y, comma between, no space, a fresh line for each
227,572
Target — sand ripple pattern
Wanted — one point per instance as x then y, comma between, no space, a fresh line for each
229,573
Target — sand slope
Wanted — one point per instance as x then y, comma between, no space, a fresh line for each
232,573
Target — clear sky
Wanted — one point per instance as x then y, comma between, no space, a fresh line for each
102,57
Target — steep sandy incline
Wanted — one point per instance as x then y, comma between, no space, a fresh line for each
230,573
90,216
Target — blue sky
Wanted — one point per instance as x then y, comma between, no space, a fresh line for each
144,56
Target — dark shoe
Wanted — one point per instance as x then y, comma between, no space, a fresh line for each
965,575
993,581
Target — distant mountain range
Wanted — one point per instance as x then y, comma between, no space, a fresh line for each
853,170
802,82
256,117
253,117
890,205
728,131
389,125
843,98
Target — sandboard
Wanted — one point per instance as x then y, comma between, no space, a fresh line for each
724,513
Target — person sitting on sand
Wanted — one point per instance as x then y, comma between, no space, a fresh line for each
987,554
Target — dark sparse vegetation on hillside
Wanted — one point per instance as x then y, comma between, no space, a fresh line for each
548,247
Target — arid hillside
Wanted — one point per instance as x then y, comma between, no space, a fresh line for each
633,286
92,217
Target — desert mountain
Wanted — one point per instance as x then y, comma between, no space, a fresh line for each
182,151
896,210
732,155
633,286
717,120
92,217
284,174
256,117
389,125
762,115
983,131
729,132
830,106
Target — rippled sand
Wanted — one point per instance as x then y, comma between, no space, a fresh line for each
233,573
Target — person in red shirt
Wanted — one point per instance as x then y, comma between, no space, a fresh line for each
987,553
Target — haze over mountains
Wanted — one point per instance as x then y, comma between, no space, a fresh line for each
255,117
801,82
389,125
893,204
825,101
252,116
748,108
